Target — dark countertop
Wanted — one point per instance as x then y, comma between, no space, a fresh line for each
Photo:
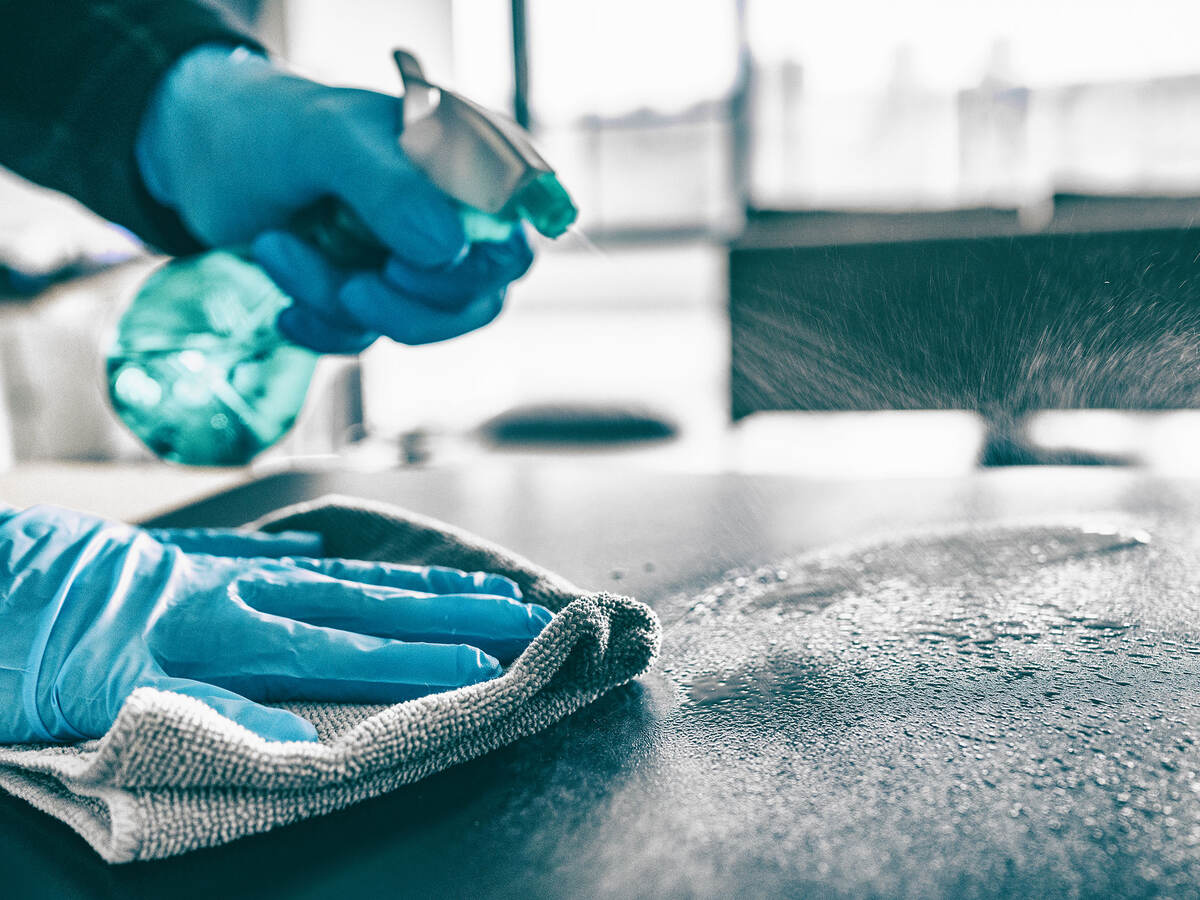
1007,713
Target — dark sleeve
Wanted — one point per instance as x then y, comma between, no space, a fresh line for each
75,77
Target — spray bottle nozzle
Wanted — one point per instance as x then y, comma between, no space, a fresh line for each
479,157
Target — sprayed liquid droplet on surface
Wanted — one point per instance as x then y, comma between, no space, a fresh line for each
932,707
1094,540
706,690
1003,605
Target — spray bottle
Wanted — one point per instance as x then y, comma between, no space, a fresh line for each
198,370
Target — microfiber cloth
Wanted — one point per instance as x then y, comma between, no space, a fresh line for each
173,775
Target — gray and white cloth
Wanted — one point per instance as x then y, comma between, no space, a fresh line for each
173,775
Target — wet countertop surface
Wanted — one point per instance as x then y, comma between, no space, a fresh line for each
981,686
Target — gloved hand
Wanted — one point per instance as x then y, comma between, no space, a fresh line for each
236,147
91,609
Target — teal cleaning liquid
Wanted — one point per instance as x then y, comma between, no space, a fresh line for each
198,371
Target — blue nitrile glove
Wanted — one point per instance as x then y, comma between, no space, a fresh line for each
236,147
91,609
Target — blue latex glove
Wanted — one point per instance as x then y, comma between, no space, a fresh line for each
92,609
236,542
236,146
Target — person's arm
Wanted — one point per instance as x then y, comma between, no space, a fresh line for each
75,79
159,116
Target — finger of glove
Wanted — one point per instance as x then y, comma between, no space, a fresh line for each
309,329
425,579
487,268
237,543
366,167
378,307
304,274
499,626
284,659
272,724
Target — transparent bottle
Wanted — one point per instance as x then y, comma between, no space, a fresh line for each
198,371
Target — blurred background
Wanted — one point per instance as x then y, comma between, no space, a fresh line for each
881,238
